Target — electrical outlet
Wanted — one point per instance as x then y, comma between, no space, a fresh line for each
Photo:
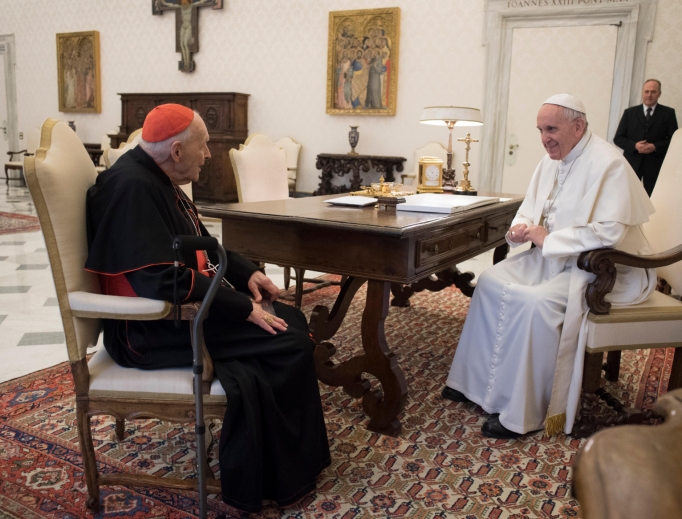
21,136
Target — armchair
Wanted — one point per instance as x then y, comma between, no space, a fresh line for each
655,323
292,150
260,168
633,472
58,177
12,164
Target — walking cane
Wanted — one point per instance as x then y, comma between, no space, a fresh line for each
209,244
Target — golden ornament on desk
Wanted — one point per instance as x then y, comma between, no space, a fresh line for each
430,175
465,187
382,189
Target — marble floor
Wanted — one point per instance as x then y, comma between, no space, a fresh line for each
31,333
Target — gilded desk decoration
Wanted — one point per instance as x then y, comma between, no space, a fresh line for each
465,187
78,76
382,189
362,61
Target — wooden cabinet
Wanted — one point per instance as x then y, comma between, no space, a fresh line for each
226,118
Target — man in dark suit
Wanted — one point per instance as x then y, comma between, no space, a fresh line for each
644,133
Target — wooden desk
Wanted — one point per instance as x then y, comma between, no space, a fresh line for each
369,247
342,164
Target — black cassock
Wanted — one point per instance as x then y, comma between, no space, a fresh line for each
273,443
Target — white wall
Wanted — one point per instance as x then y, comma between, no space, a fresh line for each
276,51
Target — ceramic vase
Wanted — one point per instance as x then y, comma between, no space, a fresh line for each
353,137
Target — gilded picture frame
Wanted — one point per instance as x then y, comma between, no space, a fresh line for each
362,61
78,74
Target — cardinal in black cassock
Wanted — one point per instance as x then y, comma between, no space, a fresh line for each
273,443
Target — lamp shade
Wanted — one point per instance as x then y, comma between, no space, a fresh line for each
441,115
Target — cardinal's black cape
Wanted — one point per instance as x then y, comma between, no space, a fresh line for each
273,442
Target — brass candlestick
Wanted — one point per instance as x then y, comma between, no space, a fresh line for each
465,187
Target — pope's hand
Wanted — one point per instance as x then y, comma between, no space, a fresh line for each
536,234
516,233
259,282
268,322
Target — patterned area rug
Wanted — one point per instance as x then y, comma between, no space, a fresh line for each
14,222
440,466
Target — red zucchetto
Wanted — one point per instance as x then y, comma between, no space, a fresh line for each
166,121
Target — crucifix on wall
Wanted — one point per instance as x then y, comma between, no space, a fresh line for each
186,26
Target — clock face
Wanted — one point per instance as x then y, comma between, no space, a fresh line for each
431,175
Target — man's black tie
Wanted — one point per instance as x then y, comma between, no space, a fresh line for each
648,115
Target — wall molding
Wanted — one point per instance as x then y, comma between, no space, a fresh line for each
635,20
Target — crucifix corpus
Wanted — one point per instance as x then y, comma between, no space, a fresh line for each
186,26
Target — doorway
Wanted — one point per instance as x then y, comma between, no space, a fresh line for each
9,121
541,67
634,24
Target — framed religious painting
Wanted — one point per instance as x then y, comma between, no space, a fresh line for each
78,72
362,61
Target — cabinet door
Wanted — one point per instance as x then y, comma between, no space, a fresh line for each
135,112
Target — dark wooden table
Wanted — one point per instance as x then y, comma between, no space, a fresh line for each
343,164
385,251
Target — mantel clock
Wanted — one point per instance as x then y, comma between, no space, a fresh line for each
430,175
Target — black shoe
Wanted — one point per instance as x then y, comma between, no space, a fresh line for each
454,395
492,428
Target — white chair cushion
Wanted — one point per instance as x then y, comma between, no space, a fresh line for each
655,323
15,164
111,380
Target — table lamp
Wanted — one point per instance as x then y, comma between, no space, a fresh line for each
452,116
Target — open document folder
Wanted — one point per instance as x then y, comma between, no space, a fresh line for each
436,203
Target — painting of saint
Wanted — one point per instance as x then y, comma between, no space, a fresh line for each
78,72
363,61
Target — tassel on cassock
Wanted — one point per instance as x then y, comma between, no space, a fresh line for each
555,424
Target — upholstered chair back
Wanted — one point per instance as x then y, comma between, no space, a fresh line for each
111,155
260,169
292,149
58,177
664,229
432,149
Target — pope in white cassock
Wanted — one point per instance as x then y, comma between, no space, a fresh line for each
522,347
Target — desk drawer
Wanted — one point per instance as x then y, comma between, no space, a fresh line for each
498,226
440,247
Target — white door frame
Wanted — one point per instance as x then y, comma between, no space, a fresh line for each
7,48
635,21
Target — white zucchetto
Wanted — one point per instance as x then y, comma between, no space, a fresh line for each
567,101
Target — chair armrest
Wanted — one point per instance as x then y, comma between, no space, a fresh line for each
100,306
602,263
86,304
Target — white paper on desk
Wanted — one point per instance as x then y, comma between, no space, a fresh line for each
357,201
436,203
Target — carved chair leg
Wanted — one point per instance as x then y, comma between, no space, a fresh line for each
612,366
676,371
287,277
299,286
88,454
120,428
592,371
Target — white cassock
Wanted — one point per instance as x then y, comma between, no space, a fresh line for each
522,348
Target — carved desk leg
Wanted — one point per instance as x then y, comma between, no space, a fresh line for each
384,405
